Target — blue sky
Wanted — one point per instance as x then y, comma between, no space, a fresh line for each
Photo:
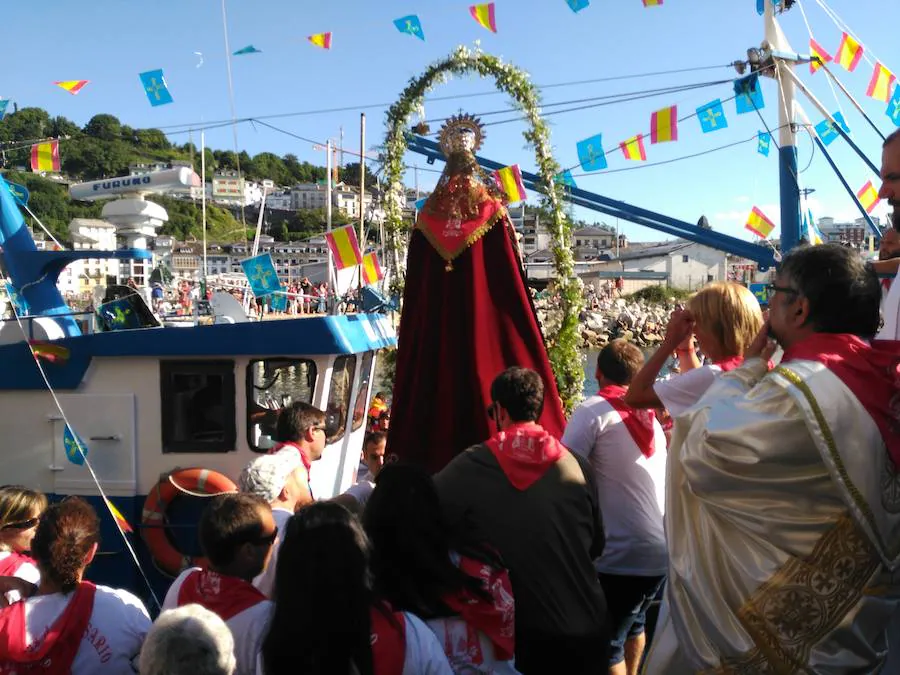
110,41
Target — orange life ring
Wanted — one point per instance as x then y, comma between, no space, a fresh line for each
203,481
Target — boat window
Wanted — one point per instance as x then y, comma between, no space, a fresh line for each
273,384
197,406
362,393
339,397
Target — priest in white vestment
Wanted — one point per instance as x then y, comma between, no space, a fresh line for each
783,505
888,260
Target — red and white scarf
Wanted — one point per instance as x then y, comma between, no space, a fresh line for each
11,563
222,595
304,456
388,639
730,363
870,371
638,422
525,451
496,619
54,652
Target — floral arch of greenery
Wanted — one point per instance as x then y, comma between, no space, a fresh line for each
563,345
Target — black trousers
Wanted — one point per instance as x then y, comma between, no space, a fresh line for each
542,654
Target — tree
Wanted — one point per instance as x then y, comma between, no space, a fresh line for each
350,175
152,139
105,127
27,124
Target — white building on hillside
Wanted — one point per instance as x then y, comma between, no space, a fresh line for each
687,265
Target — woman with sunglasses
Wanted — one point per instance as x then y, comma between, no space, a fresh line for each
721,320
20,512
70,625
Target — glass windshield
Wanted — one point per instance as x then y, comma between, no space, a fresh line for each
274,384
339,397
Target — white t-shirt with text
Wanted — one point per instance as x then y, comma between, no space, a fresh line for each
631,488
112,641
248,627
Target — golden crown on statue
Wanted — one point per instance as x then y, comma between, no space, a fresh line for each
461,133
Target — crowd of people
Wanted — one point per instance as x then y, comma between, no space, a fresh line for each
768,523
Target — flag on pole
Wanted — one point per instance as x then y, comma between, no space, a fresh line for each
712,117
868,197
484,15
509,179
633,148
45,156
154,83
849,53
758,224
748,95
664,125
71,86
75,448
4,103
261,275
763,143
881,83
371,269
816,50
410,25
117,516
322,40
344,247
565,179
590,154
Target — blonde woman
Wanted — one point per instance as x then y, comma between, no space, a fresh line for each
722,319
20,512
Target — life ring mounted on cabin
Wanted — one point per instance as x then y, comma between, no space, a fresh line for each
196,482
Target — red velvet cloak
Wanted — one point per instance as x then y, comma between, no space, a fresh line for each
459,329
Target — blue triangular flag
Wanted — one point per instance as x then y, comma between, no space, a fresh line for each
763,143
565,178
827,131
590,153
893,109
748,95
760,7
74,447
411,25
712,116
577,5
4,103
18,302
155,87
421,203
249,49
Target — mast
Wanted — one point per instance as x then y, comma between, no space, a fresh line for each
203,197
331,273
362,181
779,47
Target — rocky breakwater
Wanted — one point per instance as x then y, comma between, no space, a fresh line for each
638,321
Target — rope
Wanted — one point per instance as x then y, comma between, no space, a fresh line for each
837,99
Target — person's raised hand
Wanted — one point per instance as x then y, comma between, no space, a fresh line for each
679,329
763,346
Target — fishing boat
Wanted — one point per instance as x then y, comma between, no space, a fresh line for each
113,404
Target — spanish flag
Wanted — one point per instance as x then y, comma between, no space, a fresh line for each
509,179
664,125
868,197
484,15
849,53
118,517
72,86
881,84
45,156
344,247
322,40
758,224
50,352
371,270
816,50
633,148
652,3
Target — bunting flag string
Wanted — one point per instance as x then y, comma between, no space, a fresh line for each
484,15
249,49
664,125
72,86
411,25
893,109
45,157
371,269
578,5
509,179
590,154
712,117
748,95
344,247
881,83
764,142
4,104
827,131
849,53
154,83
816,50
652,3
868,197
322,40
633,148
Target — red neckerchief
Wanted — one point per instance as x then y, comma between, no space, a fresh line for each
13,562
495,619
638,422
886,285
54,652
222,595
304,456
524,451
388,641
730,363
871,372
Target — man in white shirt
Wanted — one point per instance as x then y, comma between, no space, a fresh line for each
280,479
236,532
373,459
627,451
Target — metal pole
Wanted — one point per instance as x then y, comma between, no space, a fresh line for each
787,153
362,182
328,187
203,196
853,101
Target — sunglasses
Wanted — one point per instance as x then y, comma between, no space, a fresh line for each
22,525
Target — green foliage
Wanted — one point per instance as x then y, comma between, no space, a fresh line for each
659,294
